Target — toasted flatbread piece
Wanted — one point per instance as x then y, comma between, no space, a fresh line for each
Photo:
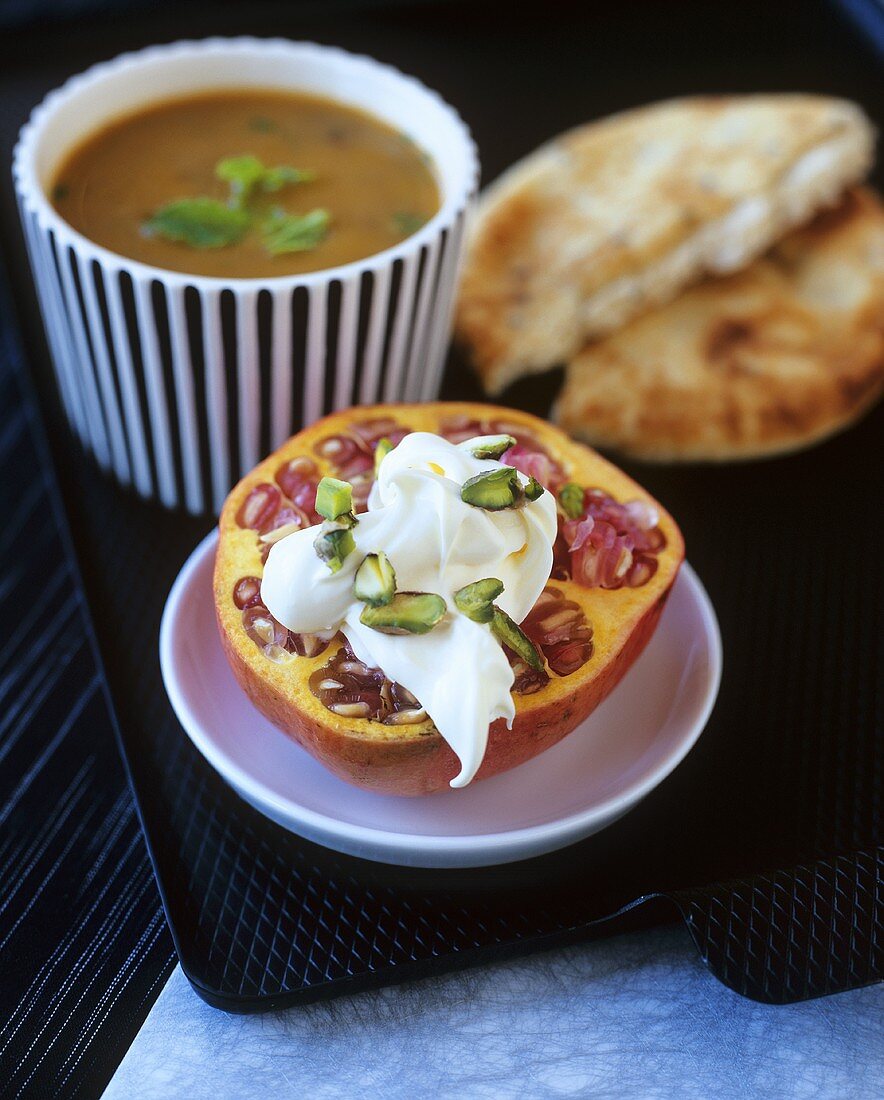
620,215
768,360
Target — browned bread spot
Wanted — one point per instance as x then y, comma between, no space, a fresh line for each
784,353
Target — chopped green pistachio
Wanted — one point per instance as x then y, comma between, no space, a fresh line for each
375,580
295,232
201,223
334,498
489,446
533,490
476,600
571,499
494,490
511,634
333,544
383,448
406,613
60,192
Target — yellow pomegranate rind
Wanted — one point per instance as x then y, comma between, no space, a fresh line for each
414,759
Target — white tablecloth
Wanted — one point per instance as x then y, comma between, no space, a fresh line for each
635,1016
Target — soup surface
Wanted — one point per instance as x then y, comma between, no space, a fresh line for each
246,184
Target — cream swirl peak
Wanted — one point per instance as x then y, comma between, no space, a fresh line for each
436,542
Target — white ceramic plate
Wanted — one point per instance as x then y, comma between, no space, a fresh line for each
592,777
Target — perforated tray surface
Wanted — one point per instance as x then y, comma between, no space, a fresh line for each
767,837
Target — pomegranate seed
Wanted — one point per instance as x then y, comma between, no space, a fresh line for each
259,507
287,515
536,464
247,592
567,657
406,717
611,545
458,428
298,479
361,709
558,627
370,431
350,688
359,466
338,449
262,628
527,680
643,568
361,490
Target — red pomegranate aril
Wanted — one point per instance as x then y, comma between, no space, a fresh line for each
338,449
351,689
262,628
459,428
247,592
654,541
287,514
527,680
643,568
361,490
370,431
259,506
568,656
602,558
298,479
358,466
558,627
611,545
536,464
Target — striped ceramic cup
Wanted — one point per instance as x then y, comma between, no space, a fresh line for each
179,384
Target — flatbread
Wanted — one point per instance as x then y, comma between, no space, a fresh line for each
768,360
619,215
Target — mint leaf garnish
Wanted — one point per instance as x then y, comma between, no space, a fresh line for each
204,222
247,172
242,173
274,178
295,232
200,222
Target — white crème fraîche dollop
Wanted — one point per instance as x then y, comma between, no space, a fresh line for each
435,543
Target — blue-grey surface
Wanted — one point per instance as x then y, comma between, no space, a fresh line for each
634,1016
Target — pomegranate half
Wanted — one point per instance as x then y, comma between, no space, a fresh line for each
616,558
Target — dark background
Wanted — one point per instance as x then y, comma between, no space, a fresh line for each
788,775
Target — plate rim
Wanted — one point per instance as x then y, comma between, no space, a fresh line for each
416,849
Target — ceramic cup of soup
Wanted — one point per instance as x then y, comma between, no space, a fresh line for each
231,238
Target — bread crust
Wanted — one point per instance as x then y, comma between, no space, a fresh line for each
616,216
413,760
767,361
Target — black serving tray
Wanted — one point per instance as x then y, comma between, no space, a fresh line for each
767,838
